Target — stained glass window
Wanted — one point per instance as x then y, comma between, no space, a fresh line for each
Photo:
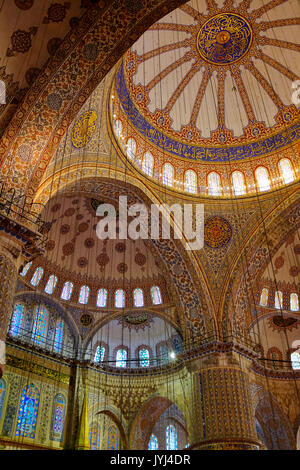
59,334
156,295
118,128
138,297
121,358
148,163
40,325
2,394
295,359
238,183
58,417
294,302
17,319
278,299
26,269
286,170
37,276
168,174
214,184
171,438
144,357
264,297
120,298
262,178
67,291
84,295
153,442
131,148
101,298
28,412
50,286
112,438
99,354
190,181
163,353
94,436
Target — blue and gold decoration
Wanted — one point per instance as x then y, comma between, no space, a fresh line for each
224,39
84,129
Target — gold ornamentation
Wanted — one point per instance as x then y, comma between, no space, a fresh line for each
84,129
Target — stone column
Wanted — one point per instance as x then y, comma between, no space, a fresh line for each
10,262
223,414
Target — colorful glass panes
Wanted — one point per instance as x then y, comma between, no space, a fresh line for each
99,354
50,286
131,148
295,359
39,325
190,181
2,394
59,334
67,291
37,276
120,298
171,437
262,178
264,297
102,298
144,357
58,418
238,183
214,184
138,297
94,436
28,412
84,295
26,269
156,295
153,442
294,302
121,358
278,299
112,438
17,319
286,170
168,174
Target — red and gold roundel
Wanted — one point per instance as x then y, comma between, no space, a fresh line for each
217,232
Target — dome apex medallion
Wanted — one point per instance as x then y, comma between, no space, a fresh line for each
224,39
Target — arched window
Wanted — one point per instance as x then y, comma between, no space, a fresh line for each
153,442
286,170
163,353
40,325
102,297
59,335
118,127
17,319
28,412
278,299
156,295
2,394
262,178
214,184
294,302
37,276
168,174
190,181
138,297
67,291
144,357
121,358
112,438
26,269
50,286
238,183
99,354
171,438
295,360
131,148
58,417
148,164
119,298
264,297
94,436
84,295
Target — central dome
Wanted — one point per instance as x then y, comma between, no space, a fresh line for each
224,39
